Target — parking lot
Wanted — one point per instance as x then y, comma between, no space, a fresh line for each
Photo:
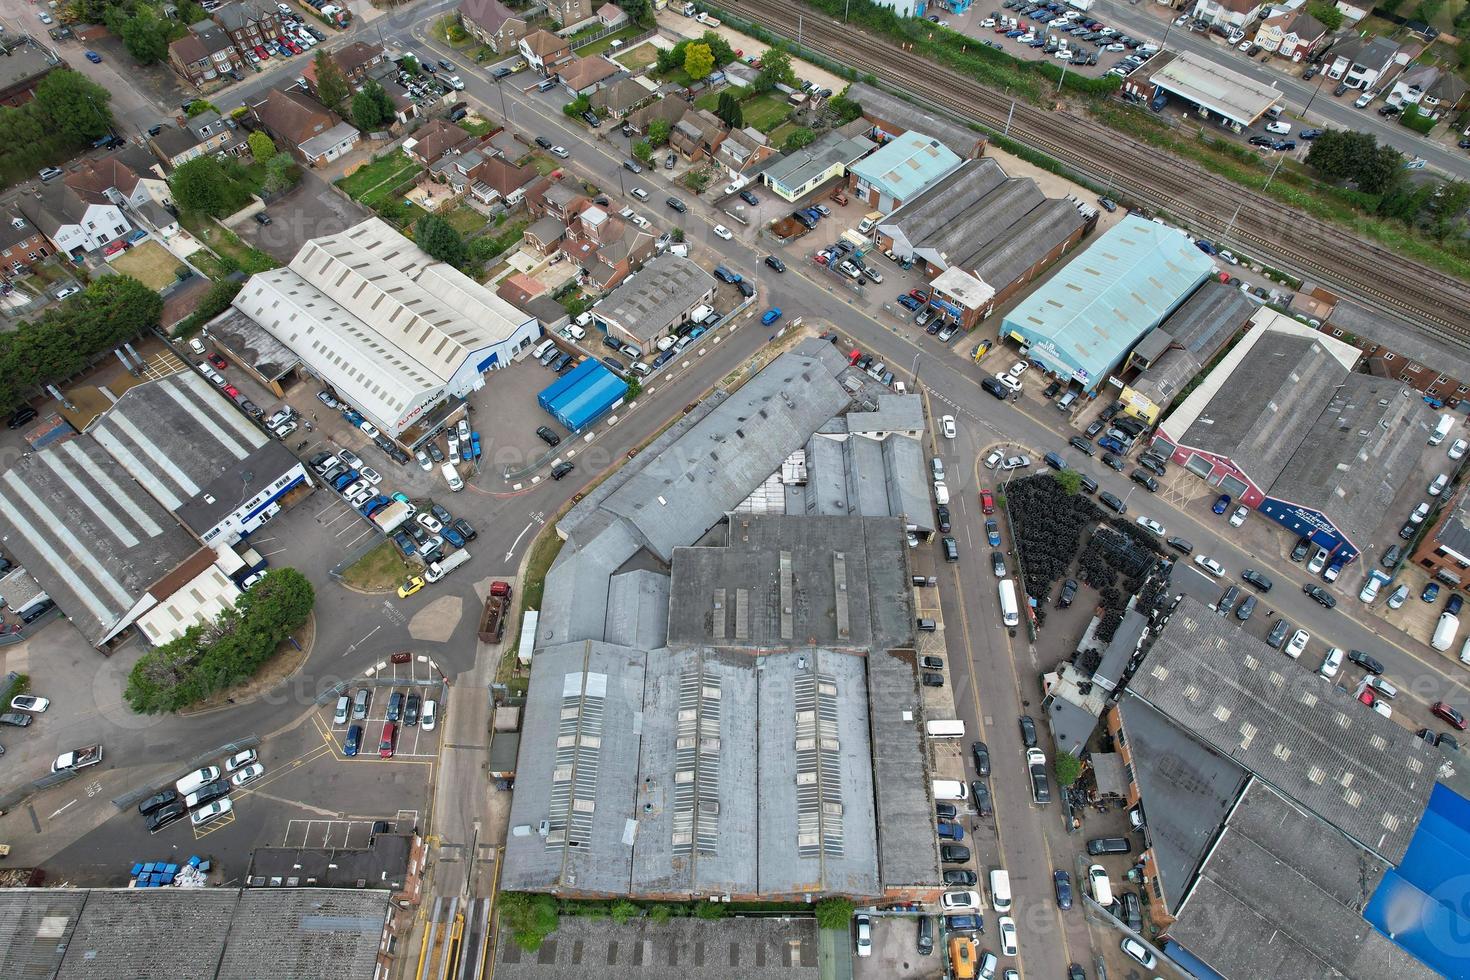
983,22
895,952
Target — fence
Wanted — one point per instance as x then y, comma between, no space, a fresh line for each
627,42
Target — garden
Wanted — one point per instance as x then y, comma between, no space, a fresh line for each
375,182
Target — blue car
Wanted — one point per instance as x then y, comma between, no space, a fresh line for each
698,332
94,57
405,543
352,417
992,533
354,739
1431,592
475,445
908,302
452,536
1222,503
1014,34
1110,443
1206,246
949,830
771,316
373,506
346,479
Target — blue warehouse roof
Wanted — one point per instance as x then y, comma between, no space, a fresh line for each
907,164
1082,321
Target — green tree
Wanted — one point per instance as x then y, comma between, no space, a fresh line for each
199,107
1448,209
660,914
729,111
1068,767
1380,170
145,37
199,186
775,67
719,48
1069,480
74,105
710,911
372,108
262,147
577,106
658,131
216,300
409,64
643,152
1326,13
834,913
281,173
638,11
531,918
698,62
799,137
122,305
331,86
623,910
438,237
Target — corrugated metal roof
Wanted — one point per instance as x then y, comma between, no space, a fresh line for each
907,164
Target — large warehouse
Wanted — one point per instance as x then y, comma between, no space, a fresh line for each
1084,320
1212,88
1285,425
657,300
393,330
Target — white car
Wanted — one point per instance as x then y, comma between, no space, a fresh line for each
196,345
362,496
1238,517
425,463
1152,525
429,716
1007,935
1016,462
45,17
1245,46
197,778
959,901
1331,663
723,232
429,523
372,476
1279,128
1297,644
560,151
1210,565
253,771
453,441
209,811
1319,560
1115,46
239,760
284,430
1437,487
1008,382
350,458
1018,369
1457,448
946,425
211,374
368,429
344,705
864,935
1138,951
354,488
994,459
29,702
1382,708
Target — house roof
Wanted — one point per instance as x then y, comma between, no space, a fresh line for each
546,229
434,139
94,177
503,176
1448,356
14,229
212,37
293,115
795,169
667,108
322,142
489,14
578,73
1305,26
620,95
234,16
661,292
54,206
906,164
543,43
189,49
610,12
348,58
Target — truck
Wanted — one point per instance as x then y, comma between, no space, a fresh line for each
1081,4
706,19
87,755
497,608
688,10
1445,630
439,569
393,515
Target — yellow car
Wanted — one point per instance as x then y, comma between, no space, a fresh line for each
410,587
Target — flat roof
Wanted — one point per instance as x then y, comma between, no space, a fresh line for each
1210,84
1291,727
248,340
900,754
796,169
966,290
1449,356
382,864
906,164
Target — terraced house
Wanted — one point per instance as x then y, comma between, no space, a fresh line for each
249,23
205,54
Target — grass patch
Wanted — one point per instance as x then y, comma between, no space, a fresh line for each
677,76
149,263
533,587
380,175
778,136
543,163
234,254
603,44
379,570
465,220
638,59
765,112
480,127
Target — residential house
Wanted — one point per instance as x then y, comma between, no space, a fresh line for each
488,178
583,76
22,67
1228,13
1359,62
75,224
432,140
545,234
493,24
532,296
620,96
22,245
305,126
743,150
606,247
250,24
355,61
668,108
197,136
563,198
610,15
126,178
697,135
570,13
802,171
1293,34
205,54
1436,92
543,51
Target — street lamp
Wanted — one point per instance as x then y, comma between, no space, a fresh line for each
1320,79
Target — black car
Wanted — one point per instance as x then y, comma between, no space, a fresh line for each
20,417
1180,545
942,513
963,923
1227,600
1300,549
1028,732
1112,502
1069,592
1097,426
1152,464
1244,610
954,853
1061,882
1079,443
395,706
543,142
960,876
562,469
1368,663
932,680
775,263
162,798
746,288
995,388
466,529
1321,595
946,810
16,718
981,753
677,204
1132,911
1052,390
998,563
411,710
209,792
166,816
749,198
981,793
1255,578
1113,462
1075,972
1278,633
548,436
1054,461
261,218
1144,480
592,119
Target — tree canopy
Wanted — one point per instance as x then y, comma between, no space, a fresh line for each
198,185
658,132
698,61
799,137
438,237
1344,155
75,105
144,35
372,108
729,111
262,147
331,86
775,67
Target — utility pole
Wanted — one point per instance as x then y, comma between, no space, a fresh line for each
1012,112
1280,158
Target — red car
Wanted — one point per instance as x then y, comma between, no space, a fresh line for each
294,47
388,744
854,356
1448,713
922,295
262,53
232,391
987,502
1366,696
114,248
218,361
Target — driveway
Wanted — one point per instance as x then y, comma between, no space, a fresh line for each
309,210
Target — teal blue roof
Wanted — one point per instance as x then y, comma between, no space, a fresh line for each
906,164
1083,320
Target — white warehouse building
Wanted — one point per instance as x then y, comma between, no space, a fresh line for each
395,331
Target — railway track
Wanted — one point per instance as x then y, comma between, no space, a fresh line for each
1436,303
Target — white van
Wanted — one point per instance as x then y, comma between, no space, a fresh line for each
196,779
1444,631
1441,430
451,477
954,728
1465,652
950,790
1000,890
1102,889
941,492
1010,614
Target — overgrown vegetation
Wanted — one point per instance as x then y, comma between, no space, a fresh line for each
1067,768
215,302
208,659
835,913
67,113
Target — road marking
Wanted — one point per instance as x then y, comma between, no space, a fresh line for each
62,810
514,544
353,646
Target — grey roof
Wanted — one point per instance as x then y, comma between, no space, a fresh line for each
1449,357
686,489
953,214
900,771
895,413
638,609
1453,530
93,538
777,948
126,932
505,748
305,933
1071,724
36,927
1209,318
23,62
193,451
1026,242
1282,894
249,341
796,168
575,605
841,578
547,229
650,303
1121,648
1307,738
322,142
1360,451
54,206
859,476
1186,790
1154,343
382,864
879,105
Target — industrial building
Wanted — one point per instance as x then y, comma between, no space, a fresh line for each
794,175
899,169
398,334
692,728
981,236
1445,549
1086,318
583,395
1214,90
1289,831
1283,424
659,299
892,116
1171,354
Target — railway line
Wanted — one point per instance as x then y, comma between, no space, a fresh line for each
1437,304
